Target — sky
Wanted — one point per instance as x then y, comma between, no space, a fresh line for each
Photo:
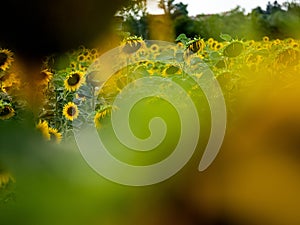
213,6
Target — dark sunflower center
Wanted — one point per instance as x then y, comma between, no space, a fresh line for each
5,111
74,79
71,111
3,58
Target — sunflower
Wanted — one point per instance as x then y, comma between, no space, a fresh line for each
10,82
132,44
218,46
70,111
154,48
295,45
196,45
55,135
101,114
180,45
234,49
171,70
210,41
73,65
6,59
44,77
42,126
213,45
73,81
266,38
6,110
251,43
5,178
94,51
81,58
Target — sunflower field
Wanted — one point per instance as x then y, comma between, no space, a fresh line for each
235,64
55,102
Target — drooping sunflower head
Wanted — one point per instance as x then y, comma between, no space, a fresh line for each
55,135
234,49
44,77
42,126
196,45
132,44
70,111
73,81
100,114
6,59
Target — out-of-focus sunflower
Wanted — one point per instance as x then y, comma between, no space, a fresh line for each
132,44
234,49
44,77
218,46
42,126
213,45
73,81
155,48
5,178
55,135
70,111
196,45
6,59
101,113
210,41
6,110
10,81
251,43
81,58
266,38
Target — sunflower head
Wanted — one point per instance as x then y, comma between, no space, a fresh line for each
196,45
218,46
5,178
73,81
266,39
100,114
234,49
44,77
6,59
6,110
70,111
42,126
55,136
210,41
132,44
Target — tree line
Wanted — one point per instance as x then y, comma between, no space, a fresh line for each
275,21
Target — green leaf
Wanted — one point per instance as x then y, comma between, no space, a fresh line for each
182,38
226,37
214,56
